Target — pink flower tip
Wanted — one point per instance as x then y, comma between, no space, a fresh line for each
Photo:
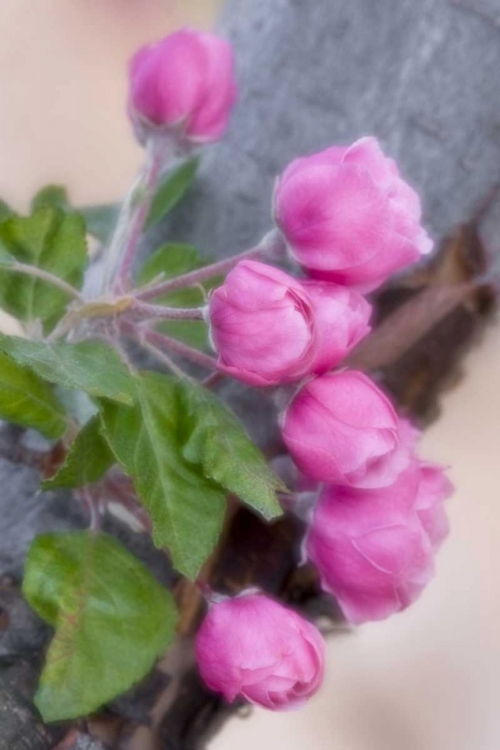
348,216
253,647
341,428
269,328
185,84
375,548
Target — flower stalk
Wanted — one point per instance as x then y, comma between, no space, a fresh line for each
164,344
144,311
271,246
133,216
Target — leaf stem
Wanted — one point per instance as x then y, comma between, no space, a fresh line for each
39,273
272,246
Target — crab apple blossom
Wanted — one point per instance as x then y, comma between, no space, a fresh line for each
252,646
374,549
184,83
341,428
434,489
269,328
348,216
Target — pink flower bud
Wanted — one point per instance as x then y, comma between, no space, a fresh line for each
374,548
434,489
348,217
184,83
341,319
269,328
254,647
341,428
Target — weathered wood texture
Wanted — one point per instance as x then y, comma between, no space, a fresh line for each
422,76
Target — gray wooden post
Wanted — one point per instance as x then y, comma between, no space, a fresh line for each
422,76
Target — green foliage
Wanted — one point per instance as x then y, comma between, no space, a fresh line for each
51,196
100,220
5,211
169,261
87,461
112,620
185,452
216,440
6,259
48,239
186,509
27,400
172,259
172,190
90,366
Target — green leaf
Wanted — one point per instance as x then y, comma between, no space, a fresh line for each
51,196
172,190
186,509
100,220
6,259
27,400
191,332
169,261
185,450
112,620
90,366
5,211
48,239
217,441
87,461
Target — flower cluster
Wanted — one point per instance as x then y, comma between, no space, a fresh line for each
348,220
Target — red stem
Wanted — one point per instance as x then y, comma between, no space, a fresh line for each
271,245
155,163
161,341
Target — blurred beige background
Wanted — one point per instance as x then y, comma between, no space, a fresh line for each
63,88
428,679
